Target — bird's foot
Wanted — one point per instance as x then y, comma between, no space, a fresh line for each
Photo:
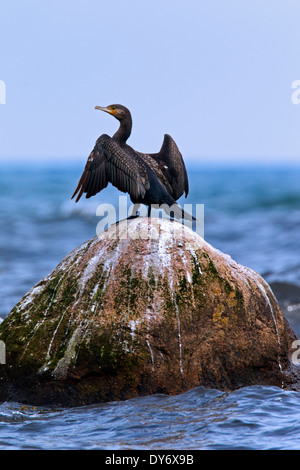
137,214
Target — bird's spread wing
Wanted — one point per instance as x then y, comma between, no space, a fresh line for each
110,163
172,166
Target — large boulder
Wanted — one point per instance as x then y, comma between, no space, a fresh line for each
147,307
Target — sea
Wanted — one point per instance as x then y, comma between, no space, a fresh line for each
251,212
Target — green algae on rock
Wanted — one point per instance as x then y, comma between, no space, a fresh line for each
147,307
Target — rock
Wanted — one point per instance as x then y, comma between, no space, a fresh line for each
155,309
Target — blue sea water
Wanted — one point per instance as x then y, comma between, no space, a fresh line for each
251,213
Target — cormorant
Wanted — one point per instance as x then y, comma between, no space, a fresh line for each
158,178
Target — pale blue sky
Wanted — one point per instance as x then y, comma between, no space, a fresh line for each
214,74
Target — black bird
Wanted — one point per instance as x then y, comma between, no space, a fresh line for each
150,179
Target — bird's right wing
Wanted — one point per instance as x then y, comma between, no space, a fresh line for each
110,163
173,167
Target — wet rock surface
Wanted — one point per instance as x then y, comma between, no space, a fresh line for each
151,308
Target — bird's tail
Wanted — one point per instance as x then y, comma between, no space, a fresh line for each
178,213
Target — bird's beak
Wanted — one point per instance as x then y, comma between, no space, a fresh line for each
109,111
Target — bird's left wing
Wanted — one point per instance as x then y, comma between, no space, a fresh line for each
110,163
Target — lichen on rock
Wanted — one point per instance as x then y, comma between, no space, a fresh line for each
147,307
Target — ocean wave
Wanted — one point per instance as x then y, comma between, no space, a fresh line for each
69,210
257,417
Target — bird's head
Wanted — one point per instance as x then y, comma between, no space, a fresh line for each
116,110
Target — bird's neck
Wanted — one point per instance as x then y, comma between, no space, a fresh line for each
124,131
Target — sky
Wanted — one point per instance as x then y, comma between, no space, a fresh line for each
217,75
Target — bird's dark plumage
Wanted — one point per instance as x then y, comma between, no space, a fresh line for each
158,178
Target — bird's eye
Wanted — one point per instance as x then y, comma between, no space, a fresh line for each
112,108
